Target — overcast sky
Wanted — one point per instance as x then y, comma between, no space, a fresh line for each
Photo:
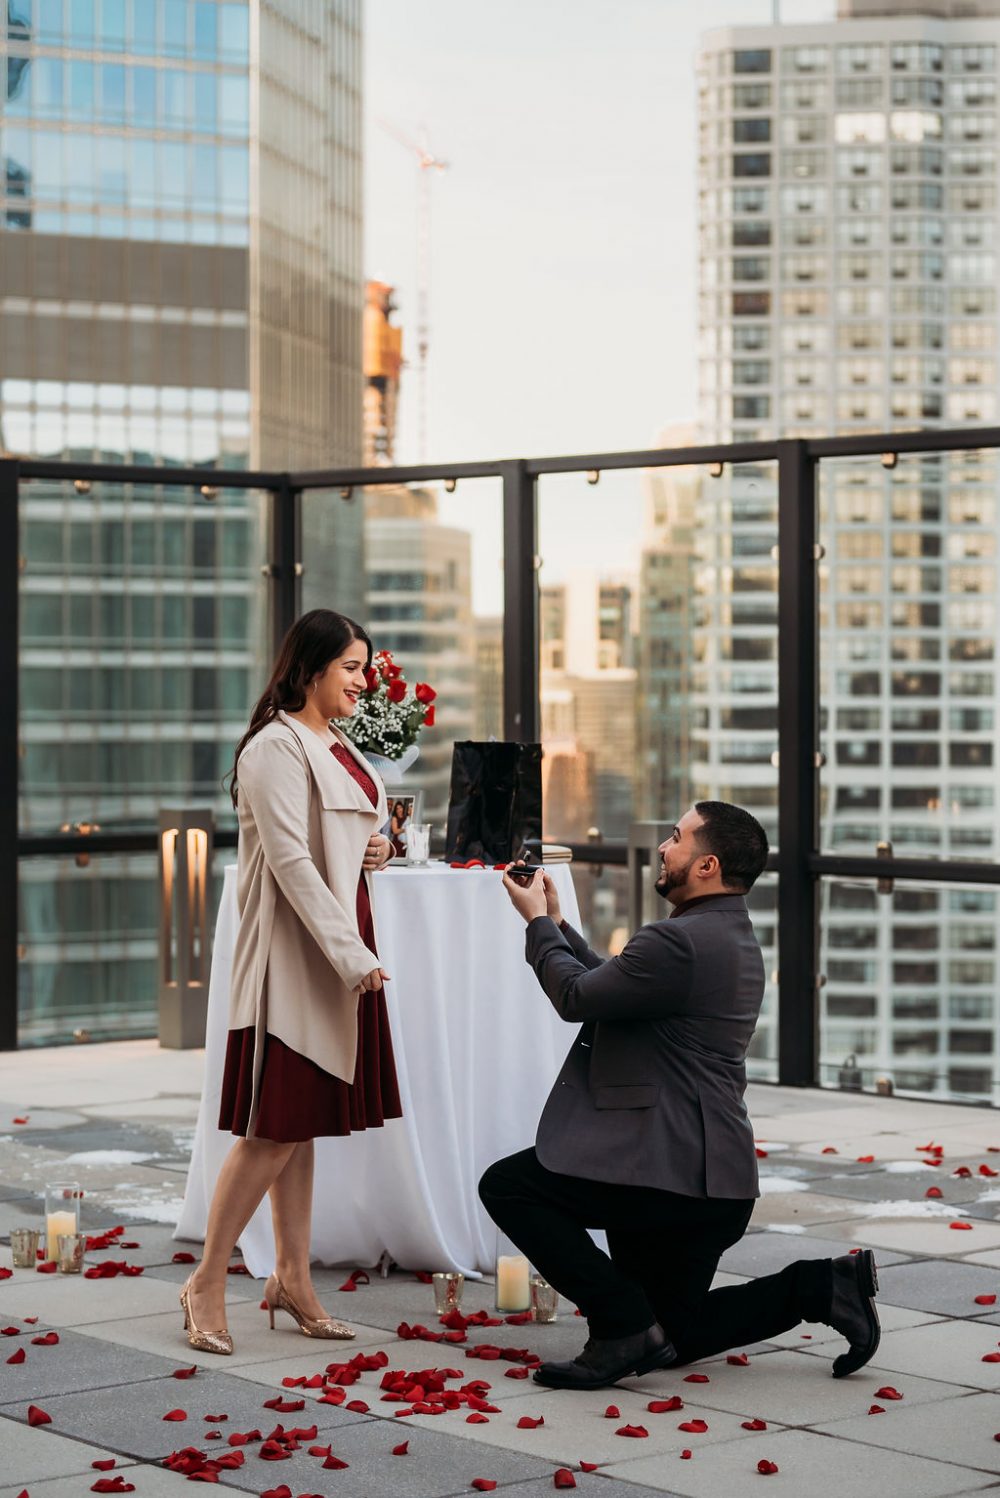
563,292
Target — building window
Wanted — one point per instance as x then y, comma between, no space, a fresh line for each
751,132
856,93
751,95
917,91
853,129
751,267
750,200
751,303
916,57
859,59
752,164
972,59
752,61
751,234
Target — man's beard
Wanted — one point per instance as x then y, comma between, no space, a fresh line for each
671,880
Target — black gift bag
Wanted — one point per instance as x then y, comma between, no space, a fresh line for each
496,800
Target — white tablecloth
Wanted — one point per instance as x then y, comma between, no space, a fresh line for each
477,1048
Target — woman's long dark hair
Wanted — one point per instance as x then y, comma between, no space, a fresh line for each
313,641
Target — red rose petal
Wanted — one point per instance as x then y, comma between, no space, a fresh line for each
636,1431
401,1449
662,1406
29,1320
986,1300
48,1268
828,1149
767,1469
987,1170
38,1416
963,1172
5,1274
104,1465
175,1415
357,1405
563,1478
865,1159
185,1372
685,1456
697,1378
334,1464
693,1427
477,1419
280,1492
284,1406
526,1422
755,1424
516,1373
18,1357
738,1360
183,1257
48,1339
483,1484
10,1331
21,1120
761,1154
961,1227
593,1466
423,1277
933,1192
113,1485
887,1392
992,1357
876,1409
215,1418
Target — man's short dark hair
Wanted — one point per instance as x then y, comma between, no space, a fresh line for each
736,838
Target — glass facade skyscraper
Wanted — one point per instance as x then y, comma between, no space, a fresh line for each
180,283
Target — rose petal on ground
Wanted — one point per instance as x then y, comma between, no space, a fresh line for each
527,1422
284,1406
175,1415
697,1378
357,1405
828,1149
477,1419
637,1432
183,1257
38,1416
280,1492
865,1159
563,1478
961,1227
992,1357
767,1469
662,1406
933,1192
612,1412
334,1464
738,1360
887,1392
5,1274
592,1466
49,1268
516,1373
685,1456
185,1372
401,1449
876,1409
986,1300
18,1357
755,1424
693,1427
215,1419
483,1484
104,1465
112,1485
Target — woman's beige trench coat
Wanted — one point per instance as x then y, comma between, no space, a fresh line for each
299,960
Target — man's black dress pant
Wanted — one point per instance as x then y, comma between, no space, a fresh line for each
664,1251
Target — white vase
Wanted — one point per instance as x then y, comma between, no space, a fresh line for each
393,770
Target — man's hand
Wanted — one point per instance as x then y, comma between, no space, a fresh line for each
378,852
552,907
529,900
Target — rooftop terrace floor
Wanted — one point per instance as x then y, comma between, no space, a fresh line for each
840,1171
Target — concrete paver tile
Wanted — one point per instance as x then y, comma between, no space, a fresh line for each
807,1463
962,1430
949,1351
946,1289
32,1453
925,1238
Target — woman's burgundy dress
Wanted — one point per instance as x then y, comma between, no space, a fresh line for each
298,1099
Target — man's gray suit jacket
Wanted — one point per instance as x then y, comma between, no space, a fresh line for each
651,1093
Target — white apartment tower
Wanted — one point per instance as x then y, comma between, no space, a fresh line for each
848,243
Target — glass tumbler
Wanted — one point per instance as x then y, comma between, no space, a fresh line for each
418,842
24,1247
544,1299
448,1287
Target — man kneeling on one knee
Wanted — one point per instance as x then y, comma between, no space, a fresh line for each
645,1133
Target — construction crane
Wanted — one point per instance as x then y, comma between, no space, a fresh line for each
427,164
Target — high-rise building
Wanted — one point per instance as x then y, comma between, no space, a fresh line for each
488,629
180,245
848,235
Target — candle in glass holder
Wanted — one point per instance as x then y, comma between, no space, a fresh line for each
513,1288
62,1214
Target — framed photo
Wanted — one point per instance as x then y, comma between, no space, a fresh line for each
404,807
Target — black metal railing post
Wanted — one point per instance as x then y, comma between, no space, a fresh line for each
285,565
9,596
521,708
798,741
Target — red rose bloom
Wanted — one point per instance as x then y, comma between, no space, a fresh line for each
371,679
390,672
423,692
429,718
397,690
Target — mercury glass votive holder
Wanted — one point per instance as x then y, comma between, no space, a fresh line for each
72,1249
448,1287
24,1247
544,1299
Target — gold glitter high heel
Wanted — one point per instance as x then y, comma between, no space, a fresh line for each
220,1342
278,1299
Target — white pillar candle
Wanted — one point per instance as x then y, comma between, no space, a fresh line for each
513,1288
56,1223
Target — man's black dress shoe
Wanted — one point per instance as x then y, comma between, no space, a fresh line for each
605,1360
852,1310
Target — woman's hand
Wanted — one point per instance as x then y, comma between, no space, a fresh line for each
378,852
374,980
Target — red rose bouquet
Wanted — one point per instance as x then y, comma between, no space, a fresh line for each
388,719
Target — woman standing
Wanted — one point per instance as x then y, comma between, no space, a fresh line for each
309,1046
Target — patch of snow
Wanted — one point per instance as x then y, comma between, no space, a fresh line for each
992,1195
906,1209
906,1167
784,1227
166,1210
108,1157
772,1148
774,1185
